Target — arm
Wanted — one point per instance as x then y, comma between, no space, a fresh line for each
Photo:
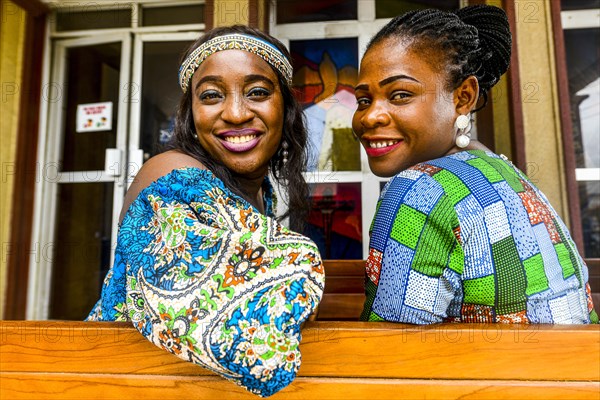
220,285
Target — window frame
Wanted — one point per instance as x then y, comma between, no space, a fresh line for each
363,28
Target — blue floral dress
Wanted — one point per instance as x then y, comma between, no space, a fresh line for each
204,275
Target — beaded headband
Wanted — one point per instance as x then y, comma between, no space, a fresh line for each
234,41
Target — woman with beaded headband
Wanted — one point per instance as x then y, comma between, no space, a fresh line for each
202,267
460,234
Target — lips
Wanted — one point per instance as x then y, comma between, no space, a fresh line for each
378,148
239,140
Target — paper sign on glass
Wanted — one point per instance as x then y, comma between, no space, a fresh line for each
94,117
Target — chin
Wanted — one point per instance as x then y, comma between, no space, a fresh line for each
384,171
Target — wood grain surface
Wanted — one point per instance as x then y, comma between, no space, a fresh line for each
345,360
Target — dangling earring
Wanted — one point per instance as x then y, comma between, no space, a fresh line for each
284,152
463,137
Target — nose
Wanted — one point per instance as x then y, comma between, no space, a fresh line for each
374,116
236,110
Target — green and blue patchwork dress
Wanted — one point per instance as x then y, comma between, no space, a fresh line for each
468,238
204,275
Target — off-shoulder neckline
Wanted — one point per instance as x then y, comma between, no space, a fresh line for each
206,173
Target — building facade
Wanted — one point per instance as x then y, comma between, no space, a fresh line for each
89,90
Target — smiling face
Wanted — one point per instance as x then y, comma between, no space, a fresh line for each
405,112
238,111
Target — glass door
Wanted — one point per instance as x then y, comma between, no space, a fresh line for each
82,174
155,93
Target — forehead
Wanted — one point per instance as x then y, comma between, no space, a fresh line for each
397,56
234,65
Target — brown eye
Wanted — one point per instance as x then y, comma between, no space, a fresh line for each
396,96
210,95
258,92
363,101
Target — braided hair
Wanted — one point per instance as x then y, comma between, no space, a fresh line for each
473,41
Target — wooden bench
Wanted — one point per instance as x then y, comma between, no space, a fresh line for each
344,294
344,290
340,360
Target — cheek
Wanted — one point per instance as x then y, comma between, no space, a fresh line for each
356,125
199,118
274,113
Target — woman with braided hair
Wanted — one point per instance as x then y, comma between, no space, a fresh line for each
202,267
459,234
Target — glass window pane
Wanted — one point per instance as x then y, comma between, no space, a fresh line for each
325,75
81,252
160,93
93,19
391,8
583,68
289,11
579,4
179,15
334,222
92,77
589,197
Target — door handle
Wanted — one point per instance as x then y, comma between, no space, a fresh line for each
136,159
113,162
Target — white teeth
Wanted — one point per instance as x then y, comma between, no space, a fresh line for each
382,143
239,139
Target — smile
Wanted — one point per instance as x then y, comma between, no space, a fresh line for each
378,144
239,141
378,148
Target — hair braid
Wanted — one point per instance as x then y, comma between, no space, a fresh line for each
474,40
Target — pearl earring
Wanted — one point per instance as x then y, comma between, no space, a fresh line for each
463,137
284,153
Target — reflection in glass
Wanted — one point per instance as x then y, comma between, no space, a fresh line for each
92,77
334,222
325,75
390,9
579,4
289,11
175,15
589,121
160,93
583,68
94,18
81,251
589,196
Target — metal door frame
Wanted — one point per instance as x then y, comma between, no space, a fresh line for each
48,176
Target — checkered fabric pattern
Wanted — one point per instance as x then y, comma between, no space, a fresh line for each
468,238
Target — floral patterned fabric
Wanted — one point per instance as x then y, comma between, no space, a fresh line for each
202,274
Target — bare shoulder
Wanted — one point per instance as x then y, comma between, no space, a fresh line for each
156,167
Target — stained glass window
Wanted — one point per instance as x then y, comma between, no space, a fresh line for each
334,222
325,75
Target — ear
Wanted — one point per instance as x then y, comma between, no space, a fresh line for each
466,95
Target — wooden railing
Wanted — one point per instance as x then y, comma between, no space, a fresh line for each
340,360
344,290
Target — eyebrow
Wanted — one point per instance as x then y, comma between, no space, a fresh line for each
208,78
387,81
247,79
256,77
